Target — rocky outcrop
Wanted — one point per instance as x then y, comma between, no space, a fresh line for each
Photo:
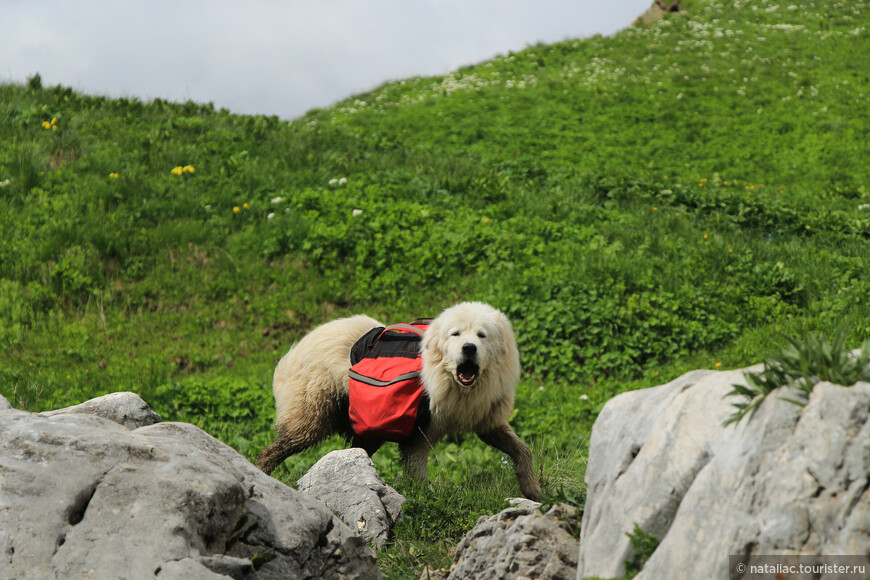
659,9
519,542
348,483
125,408
787,480
85,496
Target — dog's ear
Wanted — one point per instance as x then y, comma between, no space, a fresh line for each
431,346
507,343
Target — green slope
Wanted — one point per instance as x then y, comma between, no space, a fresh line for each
757,92
669,197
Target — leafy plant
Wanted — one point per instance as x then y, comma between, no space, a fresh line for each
802,364
34,82
643,545
238,412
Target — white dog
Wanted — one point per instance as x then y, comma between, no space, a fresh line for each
471,368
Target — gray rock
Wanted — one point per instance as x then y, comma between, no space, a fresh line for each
4,404
524,503
187,568
518,543
625,483
788,480
82,496
124,408
348,483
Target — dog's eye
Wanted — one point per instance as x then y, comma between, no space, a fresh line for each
454,333
481,334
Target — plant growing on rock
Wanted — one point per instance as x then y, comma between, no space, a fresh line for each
802,364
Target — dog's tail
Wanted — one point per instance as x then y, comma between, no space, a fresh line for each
285,445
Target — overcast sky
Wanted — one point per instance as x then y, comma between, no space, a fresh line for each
278,57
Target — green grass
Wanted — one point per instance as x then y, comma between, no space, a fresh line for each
673,197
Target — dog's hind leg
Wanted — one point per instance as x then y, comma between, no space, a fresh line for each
505,440
284,446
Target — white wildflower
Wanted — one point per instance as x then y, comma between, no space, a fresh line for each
343,181
357,212
5,183
584,397
270,216
333,182
864,206
277,200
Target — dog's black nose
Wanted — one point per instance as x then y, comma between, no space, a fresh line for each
469,349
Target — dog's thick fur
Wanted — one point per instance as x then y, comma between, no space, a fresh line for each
311,389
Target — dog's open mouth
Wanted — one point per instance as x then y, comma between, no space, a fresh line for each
467,373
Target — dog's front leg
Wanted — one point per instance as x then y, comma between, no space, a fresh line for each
505,440
415,455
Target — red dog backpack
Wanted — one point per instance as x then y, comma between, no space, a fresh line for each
386,392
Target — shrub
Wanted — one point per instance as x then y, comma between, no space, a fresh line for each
802,364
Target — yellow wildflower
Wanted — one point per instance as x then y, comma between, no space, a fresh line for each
718,365
236,209
244,205
113,176
177,170
188,169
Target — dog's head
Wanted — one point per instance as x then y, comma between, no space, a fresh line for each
469,341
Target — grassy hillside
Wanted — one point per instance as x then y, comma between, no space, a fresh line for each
671,197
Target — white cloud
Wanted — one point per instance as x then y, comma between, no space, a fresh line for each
271,56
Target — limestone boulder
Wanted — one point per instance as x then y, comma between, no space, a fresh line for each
518,543
84,496
125,408
787,480
348,483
